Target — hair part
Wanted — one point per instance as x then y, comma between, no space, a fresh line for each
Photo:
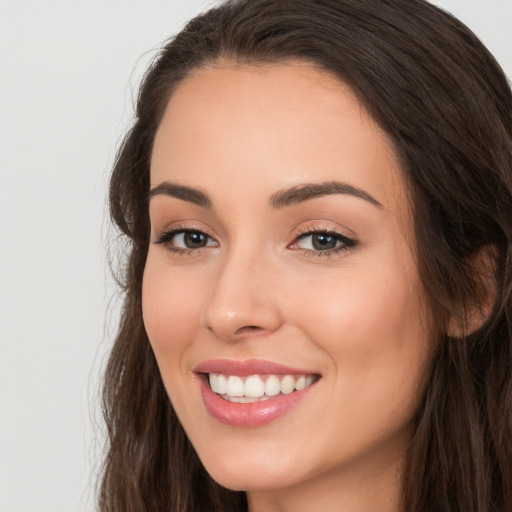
446,105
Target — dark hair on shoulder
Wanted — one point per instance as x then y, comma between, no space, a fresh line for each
446,105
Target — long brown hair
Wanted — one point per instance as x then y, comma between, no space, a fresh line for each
445,103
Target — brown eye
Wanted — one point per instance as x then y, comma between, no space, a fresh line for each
193,239
323,241
185,240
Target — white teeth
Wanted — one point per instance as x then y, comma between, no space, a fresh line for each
235,386
301,383
218,383
222,385
272,386
214,379
287,384
255,388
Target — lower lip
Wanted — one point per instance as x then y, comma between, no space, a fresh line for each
253,414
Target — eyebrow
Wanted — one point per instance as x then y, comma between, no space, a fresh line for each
307,191
182,192
278,200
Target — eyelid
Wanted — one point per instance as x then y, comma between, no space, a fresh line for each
165,237
346,242
183,226
322,227
304,231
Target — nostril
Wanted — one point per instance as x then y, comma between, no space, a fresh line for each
247,329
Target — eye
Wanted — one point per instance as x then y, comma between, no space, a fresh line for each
183,240
324,242
319,242
190,240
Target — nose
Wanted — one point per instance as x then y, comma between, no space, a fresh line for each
243,302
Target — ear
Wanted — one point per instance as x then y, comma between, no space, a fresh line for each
479,309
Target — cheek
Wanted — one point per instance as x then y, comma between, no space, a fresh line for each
362,309
370,324
170,309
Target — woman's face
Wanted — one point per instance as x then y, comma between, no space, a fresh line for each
281,259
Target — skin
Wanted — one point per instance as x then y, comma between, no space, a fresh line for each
260,290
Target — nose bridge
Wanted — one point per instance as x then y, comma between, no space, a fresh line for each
241,300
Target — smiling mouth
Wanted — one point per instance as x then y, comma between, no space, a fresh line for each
257,388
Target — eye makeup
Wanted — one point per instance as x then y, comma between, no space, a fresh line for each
321,241
312,241
185,240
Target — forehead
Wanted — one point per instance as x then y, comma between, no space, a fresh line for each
280,124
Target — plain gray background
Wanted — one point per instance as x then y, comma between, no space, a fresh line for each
68,72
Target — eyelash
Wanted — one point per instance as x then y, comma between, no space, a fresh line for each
166,237
346,245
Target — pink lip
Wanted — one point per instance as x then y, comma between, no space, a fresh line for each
247,367
253,414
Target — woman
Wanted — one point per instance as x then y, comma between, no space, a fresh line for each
318,202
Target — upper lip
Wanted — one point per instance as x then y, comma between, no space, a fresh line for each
248,367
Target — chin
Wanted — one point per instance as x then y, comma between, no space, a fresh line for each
252,473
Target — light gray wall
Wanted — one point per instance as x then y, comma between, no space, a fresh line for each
65,99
